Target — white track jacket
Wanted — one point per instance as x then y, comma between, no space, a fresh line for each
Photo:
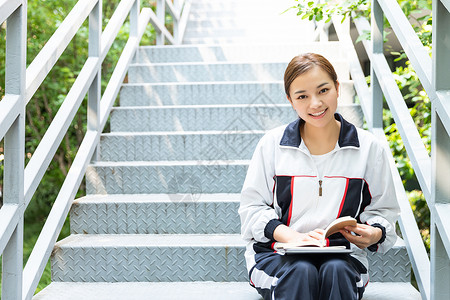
282,187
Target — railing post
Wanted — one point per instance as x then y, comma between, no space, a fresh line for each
377,48
176,22
14,144
134,18
440,266
324,33
94,94
161,15
134,24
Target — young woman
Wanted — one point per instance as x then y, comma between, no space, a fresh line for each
305,175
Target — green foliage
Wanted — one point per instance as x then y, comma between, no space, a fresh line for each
325,10
422,215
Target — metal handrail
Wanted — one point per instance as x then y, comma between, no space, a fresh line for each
9,110
440,144
7,7
420,159
48,146
12,129
12,109
179,10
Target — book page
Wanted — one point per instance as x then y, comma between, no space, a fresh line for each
339,224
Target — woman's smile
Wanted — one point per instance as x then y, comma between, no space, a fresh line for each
319,114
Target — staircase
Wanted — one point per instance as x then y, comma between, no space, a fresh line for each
160,219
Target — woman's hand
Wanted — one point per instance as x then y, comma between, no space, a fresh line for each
366,235
286,234
316,234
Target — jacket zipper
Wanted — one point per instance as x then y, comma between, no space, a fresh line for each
320,188
317,172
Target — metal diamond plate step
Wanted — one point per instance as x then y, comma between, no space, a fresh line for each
292,27
235,53
202,93
156,214
203,23
208,93
236,5
148,290
172,257
192,177
149,258
196,291
241,31
215,71
213,117
255,39
176,145
392,266
219,12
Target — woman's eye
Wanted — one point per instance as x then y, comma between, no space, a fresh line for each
301,97
323,90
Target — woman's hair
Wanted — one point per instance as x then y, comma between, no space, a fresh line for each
303,63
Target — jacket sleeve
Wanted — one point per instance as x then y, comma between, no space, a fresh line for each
383,209
256,207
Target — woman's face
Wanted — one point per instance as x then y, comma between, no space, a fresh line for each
313,96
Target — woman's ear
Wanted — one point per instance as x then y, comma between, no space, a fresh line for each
337,85
289,98
290,101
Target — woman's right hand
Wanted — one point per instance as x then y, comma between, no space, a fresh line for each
286,234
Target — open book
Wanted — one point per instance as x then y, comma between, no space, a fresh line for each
318,245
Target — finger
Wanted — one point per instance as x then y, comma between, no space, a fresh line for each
347,235
319,230
315,235
355,229
358,241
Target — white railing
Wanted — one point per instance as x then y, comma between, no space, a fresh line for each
20,183
432,172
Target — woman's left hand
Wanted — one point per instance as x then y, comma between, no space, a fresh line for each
366,235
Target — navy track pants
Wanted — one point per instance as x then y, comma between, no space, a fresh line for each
292,277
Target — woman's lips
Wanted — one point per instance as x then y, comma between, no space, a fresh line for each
319,114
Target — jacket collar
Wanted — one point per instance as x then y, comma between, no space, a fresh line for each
348,136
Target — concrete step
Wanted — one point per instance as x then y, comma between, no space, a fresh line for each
159,94
168,177
213,117
216,71
156,214
235,52
195,291
178,145
149,258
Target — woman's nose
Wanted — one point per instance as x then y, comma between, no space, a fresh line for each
316,102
